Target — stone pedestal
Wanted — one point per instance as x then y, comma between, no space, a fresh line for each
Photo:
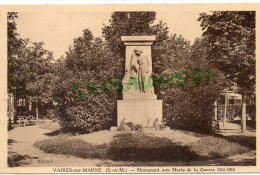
139,104
142,112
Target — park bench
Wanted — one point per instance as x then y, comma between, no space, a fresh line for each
26,120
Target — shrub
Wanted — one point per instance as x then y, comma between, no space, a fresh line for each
83,119
138,127
130,124
121,126
190,107
52,114
86,101
190,85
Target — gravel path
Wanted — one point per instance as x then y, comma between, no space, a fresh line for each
23,153
231,129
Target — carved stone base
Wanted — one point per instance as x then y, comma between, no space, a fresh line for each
140,111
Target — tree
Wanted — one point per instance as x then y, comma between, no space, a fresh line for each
131,23
29,66
85,104
39,73
188,84
230,37
15,45
13,41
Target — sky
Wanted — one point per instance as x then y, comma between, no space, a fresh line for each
57,30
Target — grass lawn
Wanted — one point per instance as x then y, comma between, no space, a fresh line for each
147,148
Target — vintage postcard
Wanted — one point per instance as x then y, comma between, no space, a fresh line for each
133,88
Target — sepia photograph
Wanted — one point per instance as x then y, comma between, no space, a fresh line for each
131,88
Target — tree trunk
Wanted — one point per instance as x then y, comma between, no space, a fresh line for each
36,111
225,108
243,117
9,112
216,110
15,106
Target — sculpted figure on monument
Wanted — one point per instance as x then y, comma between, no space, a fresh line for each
139,67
